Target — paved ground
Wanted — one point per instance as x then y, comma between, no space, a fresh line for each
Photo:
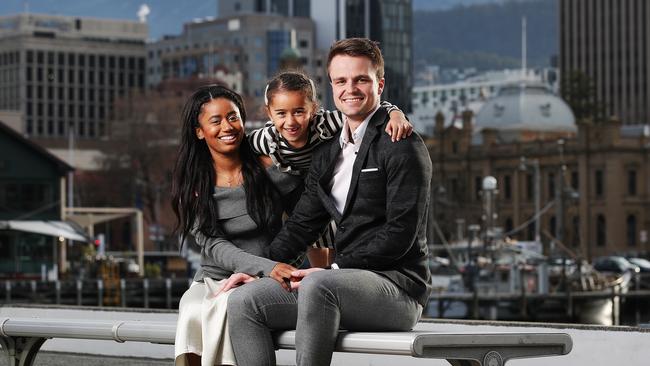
68,359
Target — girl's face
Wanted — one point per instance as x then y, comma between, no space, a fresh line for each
291,113
221,126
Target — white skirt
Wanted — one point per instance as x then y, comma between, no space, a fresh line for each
202,326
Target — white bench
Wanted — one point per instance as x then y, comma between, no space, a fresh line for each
23,337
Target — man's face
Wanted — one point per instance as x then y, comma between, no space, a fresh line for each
355,87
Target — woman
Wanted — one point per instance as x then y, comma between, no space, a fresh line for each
221,195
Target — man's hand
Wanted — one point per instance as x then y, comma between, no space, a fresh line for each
298,275
282,273
235,280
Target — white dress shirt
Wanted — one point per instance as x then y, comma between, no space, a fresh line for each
350,145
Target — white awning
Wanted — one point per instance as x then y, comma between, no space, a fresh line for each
51,228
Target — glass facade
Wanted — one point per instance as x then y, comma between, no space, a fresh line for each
390,24
277,41
299,8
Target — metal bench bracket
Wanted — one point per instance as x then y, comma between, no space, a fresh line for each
21,351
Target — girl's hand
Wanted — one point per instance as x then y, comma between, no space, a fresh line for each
398,126
235,280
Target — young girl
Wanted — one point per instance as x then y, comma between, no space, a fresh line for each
297,127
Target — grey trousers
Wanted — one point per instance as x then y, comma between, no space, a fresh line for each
352,299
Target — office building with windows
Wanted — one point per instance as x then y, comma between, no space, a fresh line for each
242,51
592,179
62,73
289,8
387,21
610,42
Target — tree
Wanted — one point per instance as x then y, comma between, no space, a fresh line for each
579,91
145,131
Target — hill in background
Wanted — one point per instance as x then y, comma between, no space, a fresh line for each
486,36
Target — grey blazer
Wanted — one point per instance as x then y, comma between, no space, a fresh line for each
383,225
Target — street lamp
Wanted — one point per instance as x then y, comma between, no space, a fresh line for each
489,193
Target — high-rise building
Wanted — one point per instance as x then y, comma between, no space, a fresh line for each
387,21
63,72
243,51
609,41
290,8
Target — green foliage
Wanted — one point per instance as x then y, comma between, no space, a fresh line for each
152,270
465,59
486,36
579,91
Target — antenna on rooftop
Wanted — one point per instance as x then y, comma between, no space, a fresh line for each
143,12
523,47
26,7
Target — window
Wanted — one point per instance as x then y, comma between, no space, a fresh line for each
454,188
25,196
507,187
530,231
575,226
575,180
477,188
551,186
530,187
508,225
598,183
601,233
631,231
631,182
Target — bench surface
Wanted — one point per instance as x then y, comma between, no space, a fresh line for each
465,348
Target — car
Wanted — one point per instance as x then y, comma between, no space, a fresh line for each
642,263
615,264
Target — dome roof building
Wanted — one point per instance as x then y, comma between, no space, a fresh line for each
523,110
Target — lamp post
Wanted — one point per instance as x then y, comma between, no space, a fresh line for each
489,193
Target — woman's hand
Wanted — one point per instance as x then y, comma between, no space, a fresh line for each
282,273
398,126
235,280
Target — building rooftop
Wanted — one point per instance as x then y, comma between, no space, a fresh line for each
61,26
526,106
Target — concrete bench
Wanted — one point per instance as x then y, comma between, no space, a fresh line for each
23,337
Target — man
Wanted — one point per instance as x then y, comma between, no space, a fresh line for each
377,191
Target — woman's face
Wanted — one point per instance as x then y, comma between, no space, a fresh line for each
221,126
291,112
